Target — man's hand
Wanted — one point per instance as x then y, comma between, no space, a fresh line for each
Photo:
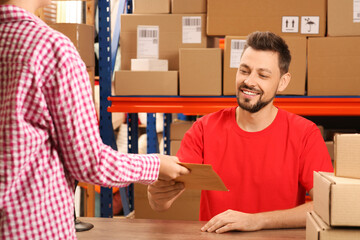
233,220
170,169
162,194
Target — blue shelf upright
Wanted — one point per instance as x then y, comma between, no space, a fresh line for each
105,74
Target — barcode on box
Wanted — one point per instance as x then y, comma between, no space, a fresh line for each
192,21
146,33
237,45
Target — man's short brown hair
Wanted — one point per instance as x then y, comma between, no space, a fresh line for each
268,41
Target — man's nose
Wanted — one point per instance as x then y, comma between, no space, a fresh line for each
250,80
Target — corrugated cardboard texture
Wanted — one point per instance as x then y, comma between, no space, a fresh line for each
337,199
239,18
151,6
297,46
146,83
333,66
179,128
174,147
186,207
340,19
347,155
316,229
188,6
170,36
82,36
200,72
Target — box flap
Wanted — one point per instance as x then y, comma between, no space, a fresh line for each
312,228
322,189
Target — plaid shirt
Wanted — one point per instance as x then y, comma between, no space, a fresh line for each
49,133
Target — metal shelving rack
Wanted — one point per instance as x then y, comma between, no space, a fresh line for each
302,105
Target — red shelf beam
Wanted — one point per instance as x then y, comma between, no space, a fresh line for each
306,106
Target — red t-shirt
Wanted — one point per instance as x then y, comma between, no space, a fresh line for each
264,171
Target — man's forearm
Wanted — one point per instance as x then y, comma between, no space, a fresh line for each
289,218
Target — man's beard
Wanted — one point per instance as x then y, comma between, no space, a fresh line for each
258,105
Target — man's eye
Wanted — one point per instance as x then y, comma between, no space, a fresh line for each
263,76
243,71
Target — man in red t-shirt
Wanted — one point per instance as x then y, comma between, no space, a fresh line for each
265,155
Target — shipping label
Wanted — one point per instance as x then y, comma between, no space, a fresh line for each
310,24
191,29
148,42
356,18
237,48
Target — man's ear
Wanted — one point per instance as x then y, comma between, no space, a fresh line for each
284,82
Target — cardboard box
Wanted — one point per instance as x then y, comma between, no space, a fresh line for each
151,6
200,72
234,48
149,65
283,17
82,36
347,155
172,35
146,83
333,66
188,6
317,229
174,147
343,18
330,148
337,199
179,128
186,207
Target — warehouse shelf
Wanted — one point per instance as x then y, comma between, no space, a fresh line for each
301,105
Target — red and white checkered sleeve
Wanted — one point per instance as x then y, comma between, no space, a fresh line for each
77,132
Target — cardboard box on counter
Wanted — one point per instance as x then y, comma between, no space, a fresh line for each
333,66
175,31
343,18
188,6
151,6
179,128
174,147
200,72
146,83
82,36
186,207
337,199
317,229
233,50
347,155
285,17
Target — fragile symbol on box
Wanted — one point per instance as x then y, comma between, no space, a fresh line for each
290,24
148,42
310,24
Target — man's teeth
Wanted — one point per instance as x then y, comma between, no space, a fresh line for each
249,93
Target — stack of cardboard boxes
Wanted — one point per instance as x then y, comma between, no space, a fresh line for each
153,32
336,212
184,29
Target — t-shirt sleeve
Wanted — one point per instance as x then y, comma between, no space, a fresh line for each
314,157
192,145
